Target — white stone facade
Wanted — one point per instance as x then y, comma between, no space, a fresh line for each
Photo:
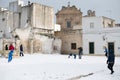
32,23
99,32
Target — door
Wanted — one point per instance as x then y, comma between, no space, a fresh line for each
91,47
111,46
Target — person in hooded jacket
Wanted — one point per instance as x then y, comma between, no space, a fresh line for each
11,48
111,60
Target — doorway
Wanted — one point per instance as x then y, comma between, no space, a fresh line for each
111,46
91,47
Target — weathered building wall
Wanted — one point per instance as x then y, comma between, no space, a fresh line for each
9,21
68,38
107,22
28,21
40,19
43,16
69,14
24,16
1,43
45,44
4,18
57,45
15,6
70,19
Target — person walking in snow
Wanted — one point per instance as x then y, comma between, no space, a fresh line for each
11,48
106,51
80,52
21,50
111,60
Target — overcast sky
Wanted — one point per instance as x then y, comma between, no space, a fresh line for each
108,8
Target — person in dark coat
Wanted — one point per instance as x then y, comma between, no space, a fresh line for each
21,50
6,47
11,48
111,60
80,52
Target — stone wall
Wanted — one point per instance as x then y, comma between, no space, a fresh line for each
69,35
43,16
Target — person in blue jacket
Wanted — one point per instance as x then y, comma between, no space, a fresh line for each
11,48
111,60
106,51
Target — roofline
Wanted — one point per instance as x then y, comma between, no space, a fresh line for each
108,18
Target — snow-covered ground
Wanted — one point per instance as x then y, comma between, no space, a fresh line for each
58,67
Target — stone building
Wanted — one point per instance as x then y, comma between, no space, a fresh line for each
70,19
41,20
100,31
32,24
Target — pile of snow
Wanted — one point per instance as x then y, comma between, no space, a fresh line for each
57,67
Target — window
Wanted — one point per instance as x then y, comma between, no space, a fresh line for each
73,45
91,25
109,25
3,19
68,24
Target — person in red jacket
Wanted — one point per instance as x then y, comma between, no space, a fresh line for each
11,48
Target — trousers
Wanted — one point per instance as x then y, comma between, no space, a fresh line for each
110,66
10,56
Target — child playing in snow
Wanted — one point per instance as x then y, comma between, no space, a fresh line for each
11,48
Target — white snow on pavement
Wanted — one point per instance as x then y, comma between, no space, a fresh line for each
57,67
